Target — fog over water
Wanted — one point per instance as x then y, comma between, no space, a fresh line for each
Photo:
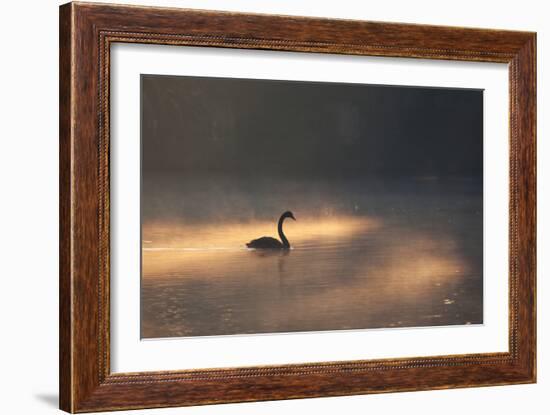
371,255
385,184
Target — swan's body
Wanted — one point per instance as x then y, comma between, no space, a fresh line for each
267,242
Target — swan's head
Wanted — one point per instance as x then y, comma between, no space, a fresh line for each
289,214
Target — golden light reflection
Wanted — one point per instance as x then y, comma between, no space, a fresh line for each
344,272
157,235
410,272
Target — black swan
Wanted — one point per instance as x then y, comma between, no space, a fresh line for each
266,242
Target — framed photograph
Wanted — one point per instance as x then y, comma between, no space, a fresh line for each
258,207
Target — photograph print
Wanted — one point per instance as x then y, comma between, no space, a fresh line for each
274,206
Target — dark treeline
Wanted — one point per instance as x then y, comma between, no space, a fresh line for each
215,126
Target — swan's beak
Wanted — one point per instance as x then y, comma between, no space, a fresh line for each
293,218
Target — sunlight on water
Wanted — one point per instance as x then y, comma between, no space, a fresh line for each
344,272
226,236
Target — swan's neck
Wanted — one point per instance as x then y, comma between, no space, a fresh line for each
281,233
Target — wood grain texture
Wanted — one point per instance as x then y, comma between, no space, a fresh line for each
86,33
65,249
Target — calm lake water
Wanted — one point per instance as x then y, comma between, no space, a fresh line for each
370,254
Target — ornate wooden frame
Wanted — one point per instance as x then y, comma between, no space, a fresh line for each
86,33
